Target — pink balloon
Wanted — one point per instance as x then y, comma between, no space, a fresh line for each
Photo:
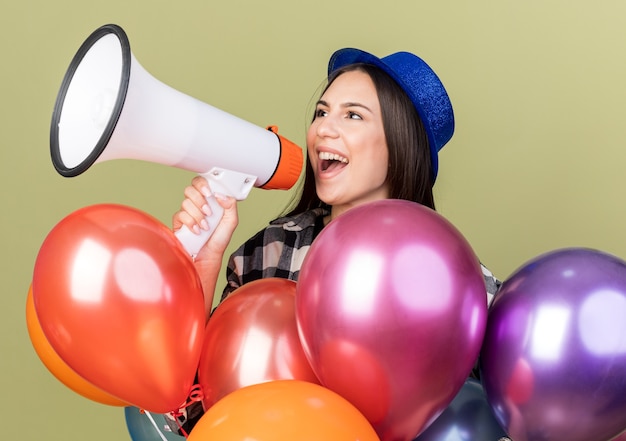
391,307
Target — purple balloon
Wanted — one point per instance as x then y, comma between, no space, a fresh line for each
391,307
553,363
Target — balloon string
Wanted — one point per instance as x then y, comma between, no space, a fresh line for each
195,394
155,425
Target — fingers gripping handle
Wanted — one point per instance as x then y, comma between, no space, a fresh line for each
192,242
224,182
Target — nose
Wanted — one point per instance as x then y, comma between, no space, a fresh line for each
326,127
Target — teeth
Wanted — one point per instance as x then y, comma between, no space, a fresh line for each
327,156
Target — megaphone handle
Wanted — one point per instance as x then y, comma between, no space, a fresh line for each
223,181
194,242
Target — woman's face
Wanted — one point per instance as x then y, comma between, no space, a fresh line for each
346,143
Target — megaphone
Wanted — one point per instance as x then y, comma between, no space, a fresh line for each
109,107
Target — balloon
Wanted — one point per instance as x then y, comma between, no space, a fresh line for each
391,306
553,363
469,417
620,437
283,410
145,426
119,300
251,338
56,365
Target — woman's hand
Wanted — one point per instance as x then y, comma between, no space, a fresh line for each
194,210
192,213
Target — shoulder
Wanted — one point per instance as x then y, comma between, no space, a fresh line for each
491,282
274,251
282,229
300,221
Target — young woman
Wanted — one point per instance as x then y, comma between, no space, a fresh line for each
375,134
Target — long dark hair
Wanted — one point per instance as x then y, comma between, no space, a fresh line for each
409,174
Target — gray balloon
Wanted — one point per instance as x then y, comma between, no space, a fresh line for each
468,417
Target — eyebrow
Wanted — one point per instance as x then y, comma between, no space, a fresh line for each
347,104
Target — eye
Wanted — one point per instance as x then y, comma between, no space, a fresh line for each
320,112
354,115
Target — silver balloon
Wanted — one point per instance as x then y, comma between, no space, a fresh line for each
468,417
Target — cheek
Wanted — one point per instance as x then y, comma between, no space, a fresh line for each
310,140
381,171
379,158
380,167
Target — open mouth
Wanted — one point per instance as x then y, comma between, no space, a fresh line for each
331,161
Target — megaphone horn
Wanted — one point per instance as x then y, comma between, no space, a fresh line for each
109,107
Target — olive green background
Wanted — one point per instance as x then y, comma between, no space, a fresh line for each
536,164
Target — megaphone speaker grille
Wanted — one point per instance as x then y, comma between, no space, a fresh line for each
90,100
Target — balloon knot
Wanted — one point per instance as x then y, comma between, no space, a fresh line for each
195,395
